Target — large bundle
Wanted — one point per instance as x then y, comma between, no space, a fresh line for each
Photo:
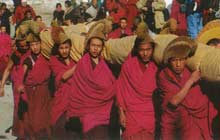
117,50
162,41
210,31
206,58
209,34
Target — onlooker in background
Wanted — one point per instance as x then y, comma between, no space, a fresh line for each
122,31
115,10
145,7
5,17
194,17
178,12
21,10
210,7
58,14
71,14
92,11
12,27
16,3
158,7
131,10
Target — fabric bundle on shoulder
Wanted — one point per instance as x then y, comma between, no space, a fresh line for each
205,59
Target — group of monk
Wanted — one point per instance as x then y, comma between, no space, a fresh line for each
86,91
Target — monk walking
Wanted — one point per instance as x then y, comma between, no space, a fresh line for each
184,107
135,86
93,91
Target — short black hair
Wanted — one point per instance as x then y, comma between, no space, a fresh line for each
89,41
68,3
214,41
137,43
58,4
38,16
55,48
123,18
3,4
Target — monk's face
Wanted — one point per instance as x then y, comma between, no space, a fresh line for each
35,47
123,23
95,47
64,50
22,46
178,64
145,52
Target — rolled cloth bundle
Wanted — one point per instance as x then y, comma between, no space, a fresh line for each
77,39
206,58
210,31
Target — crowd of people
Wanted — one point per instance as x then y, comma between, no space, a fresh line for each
92,99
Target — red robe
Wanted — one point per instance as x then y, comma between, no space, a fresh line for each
93,91
115,10
18,128
5,51
135,87
20,11
179,17
131,10
118,32
193,116
60,102
36,87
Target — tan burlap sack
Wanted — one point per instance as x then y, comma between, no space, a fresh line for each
210,25
209,34
194,62
77,44
46,43
162,41
209,65
117,50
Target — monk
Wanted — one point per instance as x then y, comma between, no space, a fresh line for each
93,91
14,67
35,77
135,86
122,31
184,106
63,68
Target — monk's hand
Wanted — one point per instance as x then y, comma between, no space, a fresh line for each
122,118
21,89
195,76
2,91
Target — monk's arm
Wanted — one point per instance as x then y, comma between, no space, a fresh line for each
177,98
5,76
68,73
21,86
6,72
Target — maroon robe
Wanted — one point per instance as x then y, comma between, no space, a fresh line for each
193,116
117,33
131,10
135,88
60,103
36,87
19,126
93,91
